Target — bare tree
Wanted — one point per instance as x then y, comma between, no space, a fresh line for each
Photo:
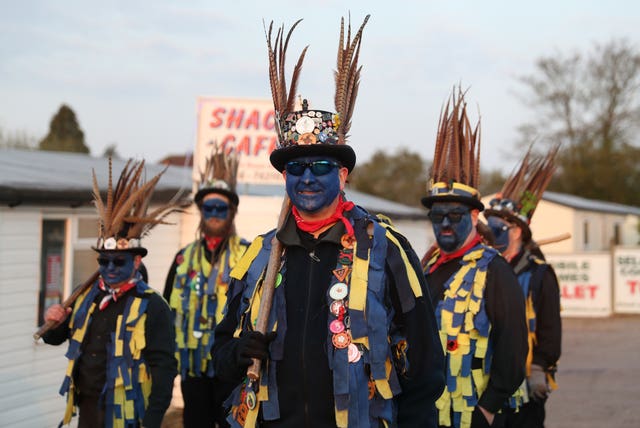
591,104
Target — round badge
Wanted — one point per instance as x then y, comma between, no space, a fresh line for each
122,244
336,326
197,334
338,291
251,400
305,124
353,353
348,241
110,243
335,307
341,340
307,139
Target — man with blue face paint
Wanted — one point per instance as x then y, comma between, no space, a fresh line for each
351,337
196,289
509,216
121,343
479,307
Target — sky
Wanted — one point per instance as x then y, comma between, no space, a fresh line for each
132,71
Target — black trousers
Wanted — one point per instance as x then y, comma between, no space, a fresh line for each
531,415
91,413
203,399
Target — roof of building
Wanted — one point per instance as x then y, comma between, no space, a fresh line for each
63,178
585,204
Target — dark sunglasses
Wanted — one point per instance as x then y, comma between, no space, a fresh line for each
319,167
117,262
218,207
453,216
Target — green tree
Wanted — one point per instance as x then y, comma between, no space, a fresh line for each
111,152
64,134
400,177
590,102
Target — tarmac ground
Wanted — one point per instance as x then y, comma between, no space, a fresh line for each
598,376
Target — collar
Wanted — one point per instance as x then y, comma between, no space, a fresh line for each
443,258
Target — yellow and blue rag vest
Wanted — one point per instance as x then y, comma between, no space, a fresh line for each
464,334
128,383
199,298
360,399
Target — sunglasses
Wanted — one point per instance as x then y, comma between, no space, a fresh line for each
319,167
117,262
453,216
215,207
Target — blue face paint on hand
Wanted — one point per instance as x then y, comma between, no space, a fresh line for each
311,192
215,208
452,225
116,267
500,229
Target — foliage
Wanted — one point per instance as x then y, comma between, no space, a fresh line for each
591,104
64,134
111,152
399,177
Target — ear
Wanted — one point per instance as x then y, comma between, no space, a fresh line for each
474,216
136,261
343,173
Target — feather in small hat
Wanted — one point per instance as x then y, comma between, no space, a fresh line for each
455,173
123,217
219,175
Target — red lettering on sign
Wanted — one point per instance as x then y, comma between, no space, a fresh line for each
234,120
217,120
253,120
634,286
270,120
244,146
579,291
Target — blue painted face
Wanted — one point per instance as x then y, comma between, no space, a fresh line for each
500,230
452,224
116,267
311,192
215,208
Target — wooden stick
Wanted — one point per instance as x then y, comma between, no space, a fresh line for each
553,239
269,285
67,304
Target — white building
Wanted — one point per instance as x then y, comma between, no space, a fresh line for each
47,228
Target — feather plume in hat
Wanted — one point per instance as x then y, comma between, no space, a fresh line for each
311,132
455,173
123,217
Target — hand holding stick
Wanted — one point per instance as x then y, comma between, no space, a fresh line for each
269,285
67,304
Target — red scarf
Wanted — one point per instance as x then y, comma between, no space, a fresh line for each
114,293
213,242
313,226
444,257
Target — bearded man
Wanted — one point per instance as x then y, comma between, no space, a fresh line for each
196,288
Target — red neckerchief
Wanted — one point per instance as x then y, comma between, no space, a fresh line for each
443,257
312,226
114,293
212,242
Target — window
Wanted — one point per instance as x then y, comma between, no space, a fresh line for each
51,265
585,235
67,259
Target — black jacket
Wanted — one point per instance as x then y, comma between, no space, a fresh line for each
90,370
545,292
304,380
506,311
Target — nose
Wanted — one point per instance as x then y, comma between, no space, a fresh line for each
446,222
307,176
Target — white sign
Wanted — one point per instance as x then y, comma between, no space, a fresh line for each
244,125
585,283
626,280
